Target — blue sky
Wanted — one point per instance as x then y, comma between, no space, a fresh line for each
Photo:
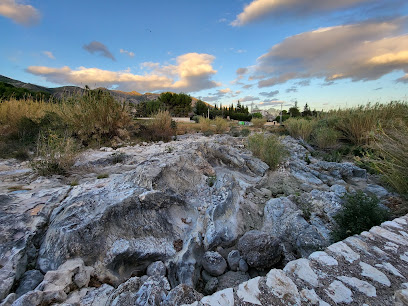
327,53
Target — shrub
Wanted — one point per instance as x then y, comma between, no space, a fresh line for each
359,213
300,128
257,115
55,154
258,122
245,132
161,127
326,137
268,148
96,116
205,124
221,125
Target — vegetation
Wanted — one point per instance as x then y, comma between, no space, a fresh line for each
326,137
160,128
359,213
300,128
8,91
239,112
221,125
267,148
205,124
258,122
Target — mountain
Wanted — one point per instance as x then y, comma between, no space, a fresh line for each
132,97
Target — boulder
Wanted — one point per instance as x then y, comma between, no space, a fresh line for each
156,268
214,263
29,281
233,260
259,249
211,286
182,294
231,279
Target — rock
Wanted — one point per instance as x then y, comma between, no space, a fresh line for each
9,300
124,294
249,291
379,191
233,259
156,268
214,263
206,276
97,296
339,293
31,298
282,287
231,279
152,292
182,294
259,249
224,297
29,281
301,269
242,265
211,286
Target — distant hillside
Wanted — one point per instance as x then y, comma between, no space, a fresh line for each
132,97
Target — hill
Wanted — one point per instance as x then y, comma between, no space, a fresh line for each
132,97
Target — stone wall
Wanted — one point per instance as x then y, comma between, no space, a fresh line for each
366,269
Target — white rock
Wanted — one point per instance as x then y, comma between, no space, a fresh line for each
301,268
392,224
323,258
405,234
389,235
390,268
404,256
312,297
222,298
357,243
283,287
390,246
342,249
249,291
339,293
360,285
401,221
375,274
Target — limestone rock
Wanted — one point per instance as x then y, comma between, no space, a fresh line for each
156,268
259,249
182,294
29,281
214,263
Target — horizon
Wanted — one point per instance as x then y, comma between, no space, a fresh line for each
328,54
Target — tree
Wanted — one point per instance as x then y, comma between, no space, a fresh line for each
306,111
200,108
294,112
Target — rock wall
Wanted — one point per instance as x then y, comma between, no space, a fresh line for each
366,269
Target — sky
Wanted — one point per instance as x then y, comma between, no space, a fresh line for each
326,53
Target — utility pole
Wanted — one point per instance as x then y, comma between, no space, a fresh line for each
208,109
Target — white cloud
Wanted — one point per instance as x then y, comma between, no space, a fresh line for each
269,94
364,51
129,53
248,99
259,9
20,13
49,54
192,73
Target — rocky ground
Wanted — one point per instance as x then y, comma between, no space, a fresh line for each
165,223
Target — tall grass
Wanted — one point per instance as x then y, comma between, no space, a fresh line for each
258,122
325,137
161,126
267,148
221,125
300,128
205,124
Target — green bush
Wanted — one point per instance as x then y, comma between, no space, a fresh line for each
300,128
326,137
267,148
359,213
245,132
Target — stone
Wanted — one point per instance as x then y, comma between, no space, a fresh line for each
231,279
233,260
29,281
389,235
401,295
242,265
300,268
390,268
214,263
378,191
342,250
182,294
211,286
339,293
259,249
323,258
156,268
97,296
359,285
221,298
282,287
375,274
311,296
31,298
249,291
152,292
9,300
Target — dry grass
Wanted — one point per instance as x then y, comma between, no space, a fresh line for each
258,122
300,128
221,125
205,125
161,127
325,137
187,128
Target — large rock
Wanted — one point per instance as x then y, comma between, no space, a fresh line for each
231,279
29,281
181,295
259,249
214,263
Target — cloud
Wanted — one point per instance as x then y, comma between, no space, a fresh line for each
129,53
49,54
292,89
20,13
248,99
99,48
241,71
248,86
269,94
191,73
378,88
219,94
303,83
271,103
359,52
259,9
